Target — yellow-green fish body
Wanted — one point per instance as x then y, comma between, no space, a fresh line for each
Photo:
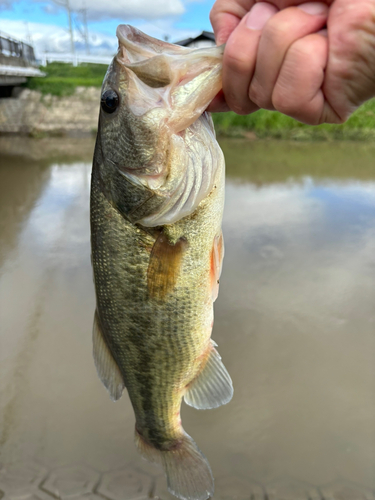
157,199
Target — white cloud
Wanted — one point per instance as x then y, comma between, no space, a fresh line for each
128,9
53,38
165,27
271,206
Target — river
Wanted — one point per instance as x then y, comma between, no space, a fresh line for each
294,321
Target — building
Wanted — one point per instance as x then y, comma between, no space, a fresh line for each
205,39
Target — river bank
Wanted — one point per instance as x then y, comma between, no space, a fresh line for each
273,125
34,114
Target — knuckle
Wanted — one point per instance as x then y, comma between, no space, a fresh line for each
301,49
359,22
348,44
275,29
239,104
235,57
308,49
362,15
299,109
257,96
287,100
240,109
283,102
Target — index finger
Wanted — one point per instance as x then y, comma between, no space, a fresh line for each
225,16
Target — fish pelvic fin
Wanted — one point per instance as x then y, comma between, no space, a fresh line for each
212,387
188,472
108,371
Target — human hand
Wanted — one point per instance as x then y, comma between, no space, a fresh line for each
284,62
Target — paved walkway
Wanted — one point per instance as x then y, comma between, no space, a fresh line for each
32,481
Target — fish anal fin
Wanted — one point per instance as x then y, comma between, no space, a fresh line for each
108,371
212,387
188,472
164,265
217,255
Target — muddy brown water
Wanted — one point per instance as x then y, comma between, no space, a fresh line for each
294,321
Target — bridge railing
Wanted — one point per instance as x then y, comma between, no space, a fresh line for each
14,48
74,59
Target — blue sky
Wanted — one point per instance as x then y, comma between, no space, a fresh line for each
46,23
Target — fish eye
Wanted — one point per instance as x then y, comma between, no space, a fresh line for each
109,101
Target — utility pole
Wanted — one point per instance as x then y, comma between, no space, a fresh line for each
66,5
28,34
70,27
86,31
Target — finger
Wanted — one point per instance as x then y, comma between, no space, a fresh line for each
350,75
240,57
218,104
225,16
298,90
284,29
284,4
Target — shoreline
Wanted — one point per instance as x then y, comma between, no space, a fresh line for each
38,115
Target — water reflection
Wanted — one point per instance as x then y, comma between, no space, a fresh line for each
294,321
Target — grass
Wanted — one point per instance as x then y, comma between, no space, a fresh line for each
62,78
271,124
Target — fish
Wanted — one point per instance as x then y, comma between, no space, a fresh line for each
156,207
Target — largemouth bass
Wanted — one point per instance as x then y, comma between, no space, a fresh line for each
157,198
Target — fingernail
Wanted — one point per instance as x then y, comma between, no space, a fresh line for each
259,15
314,8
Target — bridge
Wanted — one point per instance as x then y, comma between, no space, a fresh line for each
17,62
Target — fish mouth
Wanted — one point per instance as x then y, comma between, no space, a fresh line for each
184,80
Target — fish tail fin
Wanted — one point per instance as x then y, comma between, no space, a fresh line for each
188,472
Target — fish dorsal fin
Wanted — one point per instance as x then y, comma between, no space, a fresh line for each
106,366
213,385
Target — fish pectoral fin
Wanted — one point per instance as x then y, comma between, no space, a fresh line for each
106,366
213,385
164,266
